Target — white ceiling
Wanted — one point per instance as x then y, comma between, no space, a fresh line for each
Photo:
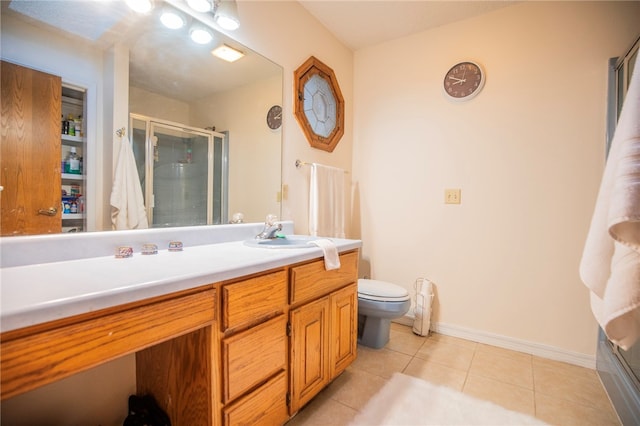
363,23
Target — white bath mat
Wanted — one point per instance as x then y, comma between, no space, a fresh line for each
408,401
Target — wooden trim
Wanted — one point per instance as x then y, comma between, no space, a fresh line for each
313,66
43,357
63,322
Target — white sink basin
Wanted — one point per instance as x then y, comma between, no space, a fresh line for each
287,242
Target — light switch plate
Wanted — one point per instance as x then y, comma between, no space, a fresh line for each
452,196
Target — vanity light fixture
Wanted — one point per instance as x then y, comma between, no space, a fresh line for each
140,6
172,19
200,34
200,5
227,53
226,14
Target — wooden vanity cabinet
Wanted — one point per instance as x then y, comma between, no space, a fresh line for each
324,323
248,351
285,335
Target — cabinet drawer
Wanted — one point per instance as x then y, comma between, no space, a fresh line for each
250,301
267,405
311,280
251,357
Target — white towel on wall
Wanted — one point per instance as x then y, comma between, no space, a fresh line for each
610,265
326,201
127,202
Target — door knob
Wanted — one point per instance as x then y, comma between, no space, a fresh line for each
51,211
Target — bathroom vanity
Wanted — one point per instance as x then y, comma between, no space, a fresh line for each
222,333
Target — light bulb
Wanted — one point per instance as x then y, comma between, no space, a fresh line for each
227,23
226,15
140,6
200,35
172,19
200,5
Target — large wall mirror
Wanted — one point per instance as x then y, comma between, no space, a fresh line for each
109,56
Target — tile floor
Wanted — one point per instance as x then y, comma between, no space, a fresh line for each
555,392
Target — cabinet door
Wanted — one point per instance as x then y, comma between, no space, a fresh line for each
344,328
30,157
309,351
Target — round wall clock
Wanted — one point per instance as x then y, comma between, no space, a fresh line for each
274,117
463,81
318,104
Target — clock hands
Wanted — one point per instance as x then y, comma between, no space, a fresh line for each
458,80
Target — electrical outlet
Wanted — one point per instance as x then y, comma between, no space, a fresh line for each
452,196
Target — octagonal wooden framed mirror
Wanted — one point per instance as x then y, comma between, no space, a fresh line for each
318,104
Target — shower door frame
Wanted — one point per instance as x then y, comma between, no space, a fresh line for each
617,376
151,123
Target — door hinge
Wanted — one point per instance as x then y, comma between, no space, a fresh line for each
288,328
288,397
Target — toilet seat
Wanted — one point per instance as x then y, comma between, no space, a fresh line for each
381,291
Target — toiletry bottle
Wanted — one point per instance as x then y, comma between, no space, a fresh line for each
72,165
77,123
72,127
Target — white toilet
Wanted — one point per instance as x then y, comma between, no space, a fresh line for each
378,303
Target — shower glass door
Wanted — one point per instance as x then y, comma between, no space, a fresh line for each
181,171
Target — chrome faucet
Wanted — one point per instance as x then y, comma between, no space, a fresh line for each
270,229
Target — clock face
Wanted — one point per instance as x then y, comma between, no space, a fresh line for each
319,106
274,117
463,81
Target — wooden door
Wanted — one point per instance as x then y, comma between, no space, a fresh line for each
309,351
30,154
344,328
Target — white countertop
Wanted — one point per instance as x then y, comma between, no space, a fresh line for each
37,293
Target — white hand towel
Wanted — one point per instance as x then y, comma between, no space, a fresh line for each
610,265
326,201
127,202
331,256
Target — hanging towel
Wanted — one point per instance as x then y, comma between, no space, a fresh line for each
127,202
610,265
330,252
326,201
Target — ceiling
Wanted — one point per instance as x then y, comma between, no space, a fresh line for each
363,23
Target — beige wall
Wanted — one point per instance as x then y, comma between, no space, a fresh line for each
527,153
254,150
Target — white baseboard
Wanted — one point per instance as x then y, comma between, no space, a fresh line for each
537,349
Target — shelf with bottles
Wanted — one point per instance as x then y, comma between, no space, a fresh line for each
72,216
72,206
72,140
70,176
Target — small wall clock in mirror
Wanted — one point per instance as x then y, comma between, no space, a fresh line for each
274,117
318,104
463,81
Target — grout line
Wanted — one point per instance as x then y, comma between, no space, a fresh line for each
466,377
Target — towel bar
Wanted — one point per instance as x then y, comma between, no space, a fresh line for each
304,163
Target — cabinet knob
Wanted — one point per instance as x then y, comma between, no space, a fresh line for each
51,211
